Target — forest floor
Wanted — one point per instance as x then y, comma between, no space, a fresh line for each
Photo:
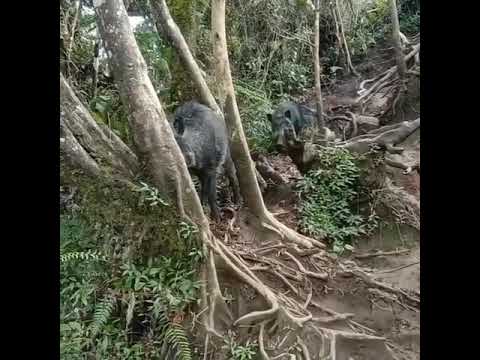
390,258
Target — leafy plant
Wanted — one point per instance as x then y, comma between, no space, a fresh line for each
151,195
236,351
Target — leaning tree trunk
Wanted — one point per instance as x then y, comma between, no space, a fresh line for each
399,57
183,12
245,166
318,86
169,29
87,143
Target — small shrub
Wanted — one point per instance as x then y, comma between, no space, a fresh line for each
236,351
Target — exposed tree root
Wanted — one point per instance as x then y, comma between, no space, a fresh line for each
322,276
261,344
305,155
382,80
288,235
284,312
407,169
305,352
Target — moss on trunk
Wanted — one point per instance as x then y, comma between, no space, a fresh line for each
120,209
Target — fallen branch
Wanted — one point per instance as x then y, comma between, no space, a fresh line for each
381,253
398,268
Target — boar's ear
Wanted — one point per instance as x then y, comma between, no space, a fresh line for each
269,117
288,114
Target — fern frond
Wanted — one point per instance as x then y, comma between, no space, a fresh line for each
177,340
82,255
102,314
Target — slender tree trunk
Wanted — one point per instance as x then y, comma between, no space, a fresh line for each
152,134
167,26
399,57
245,166
344,40
183,13
318,87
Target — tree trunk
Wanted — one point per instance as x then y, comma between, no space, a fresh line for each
169,29
152,134
83,136
245,166
344,40
183,12
318,86
399,57
75,154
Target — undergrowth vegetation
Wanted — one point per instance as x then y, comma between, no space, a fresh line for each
330,195
114,306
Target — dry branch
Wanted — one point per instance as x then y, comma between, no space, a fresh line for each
381,253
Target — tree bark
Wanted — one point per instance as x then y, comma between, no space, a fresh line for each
152,134
75,154
399,57
318,86
169,29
